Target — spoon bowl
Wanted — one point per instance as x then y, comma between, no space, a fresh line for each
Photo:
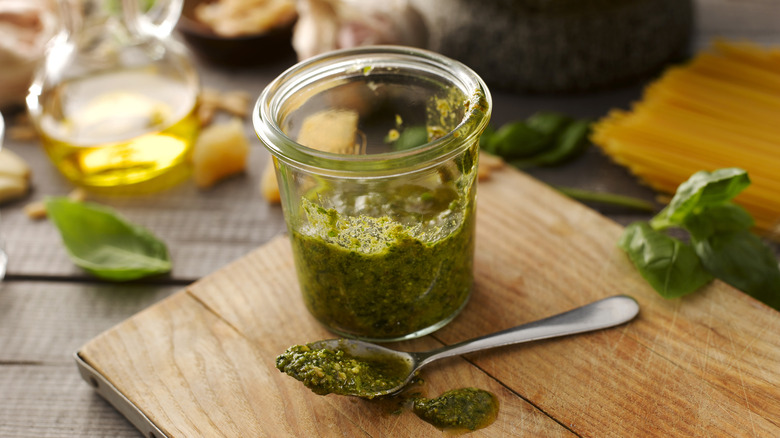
402,366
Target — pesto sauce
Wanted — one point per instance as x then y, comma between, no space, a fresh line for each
465,408
326,371
382,277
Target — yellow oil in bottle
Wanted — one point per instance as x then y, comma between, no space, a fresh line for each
120,128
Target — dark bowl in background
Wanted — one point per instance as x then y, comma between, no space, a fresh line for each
244,50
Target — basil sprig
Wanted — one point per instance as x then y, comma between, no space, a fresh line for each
721,244
104,244
547,138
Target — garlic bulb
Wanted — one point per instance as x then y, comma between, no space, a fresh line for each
232,18
325,25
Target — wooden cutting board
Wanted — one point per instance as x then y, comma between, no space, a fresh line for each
201,363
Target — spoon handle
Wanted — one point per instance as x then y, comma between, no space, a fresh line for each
601,314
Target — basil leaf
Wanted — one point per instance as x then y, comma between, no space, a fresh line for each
518,140
547,138
720,233
487,135
548,122
671,267
723,218
411,137
704,189
104,244
742,260
569,143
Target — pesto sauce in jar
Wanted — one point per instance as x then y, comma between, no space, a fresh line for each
464,408
326,371
379,277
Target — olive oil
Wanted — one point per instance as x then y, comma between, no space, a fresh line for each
119,128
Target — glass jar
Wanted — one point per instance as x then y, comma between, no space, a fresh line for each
375,151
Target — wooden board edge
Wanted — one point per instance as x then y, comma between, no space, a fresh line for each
105,389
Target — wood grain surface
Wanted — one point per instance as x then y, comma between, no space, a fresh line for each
41,324
201,363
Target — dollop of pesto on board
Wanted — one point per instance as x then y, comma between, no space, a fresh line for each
326,371
384,275
464,408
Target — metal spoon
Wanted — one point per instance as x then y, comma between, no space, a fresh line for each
601,314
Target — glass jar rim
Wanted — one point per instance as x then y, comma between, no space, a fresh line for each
363,59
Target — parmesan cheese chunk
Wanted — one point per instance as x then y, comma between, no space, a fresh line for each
329,131
220,151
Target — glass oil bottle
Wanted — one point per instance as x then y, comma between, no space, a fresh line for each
114,100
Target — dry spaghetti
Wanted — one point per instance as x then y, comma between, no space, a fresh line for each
722,109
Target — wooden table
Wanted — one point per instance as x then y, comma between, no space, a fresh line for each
49,308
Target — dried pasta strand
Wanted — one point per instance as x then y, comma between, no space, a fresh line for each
719,110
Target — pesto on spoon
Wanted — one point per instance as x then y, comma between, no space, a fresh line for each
363,369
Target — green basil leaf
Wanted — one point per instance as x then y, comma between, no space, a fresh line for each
723,218
569,143
742,260
671,267
548,122
106,245
487,135
518,140
411,137
703,189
